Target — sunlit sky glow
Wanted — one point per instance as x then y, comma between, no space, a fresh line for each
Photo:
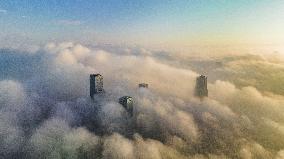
162,23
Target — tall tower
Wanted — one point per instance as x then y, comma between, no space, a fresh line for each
201,86
96,84
127,103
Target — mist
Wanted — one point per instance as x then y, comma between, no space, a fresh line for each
46,111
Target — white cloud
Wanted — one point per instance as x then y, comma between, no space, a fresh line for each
3,11
170,122
69,22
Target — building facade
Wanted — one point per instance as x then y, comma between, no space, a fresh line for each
96,84
201,86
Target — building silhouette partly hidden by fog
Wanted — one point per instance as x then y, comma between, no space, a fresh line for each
96,84
143,85
201,86
127,103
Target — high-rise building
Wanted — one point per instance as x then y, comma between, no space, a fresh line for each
96,84
127,103
143,85
201,86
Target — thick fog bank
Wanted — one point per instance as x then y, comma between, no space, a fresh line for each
46,111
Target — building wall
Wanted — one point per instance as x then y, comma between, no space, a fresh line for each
201,86
96,84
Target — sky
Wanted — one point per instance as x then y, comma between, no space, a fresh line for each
158,23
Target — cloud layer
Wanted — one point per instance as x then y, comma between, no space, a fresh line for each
46,112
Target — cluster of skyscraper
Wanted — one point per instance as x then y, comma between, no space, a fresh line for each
96,86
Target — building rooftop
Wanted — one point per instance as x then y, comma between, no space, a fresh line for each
125,97
202,76
143,85
95,74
